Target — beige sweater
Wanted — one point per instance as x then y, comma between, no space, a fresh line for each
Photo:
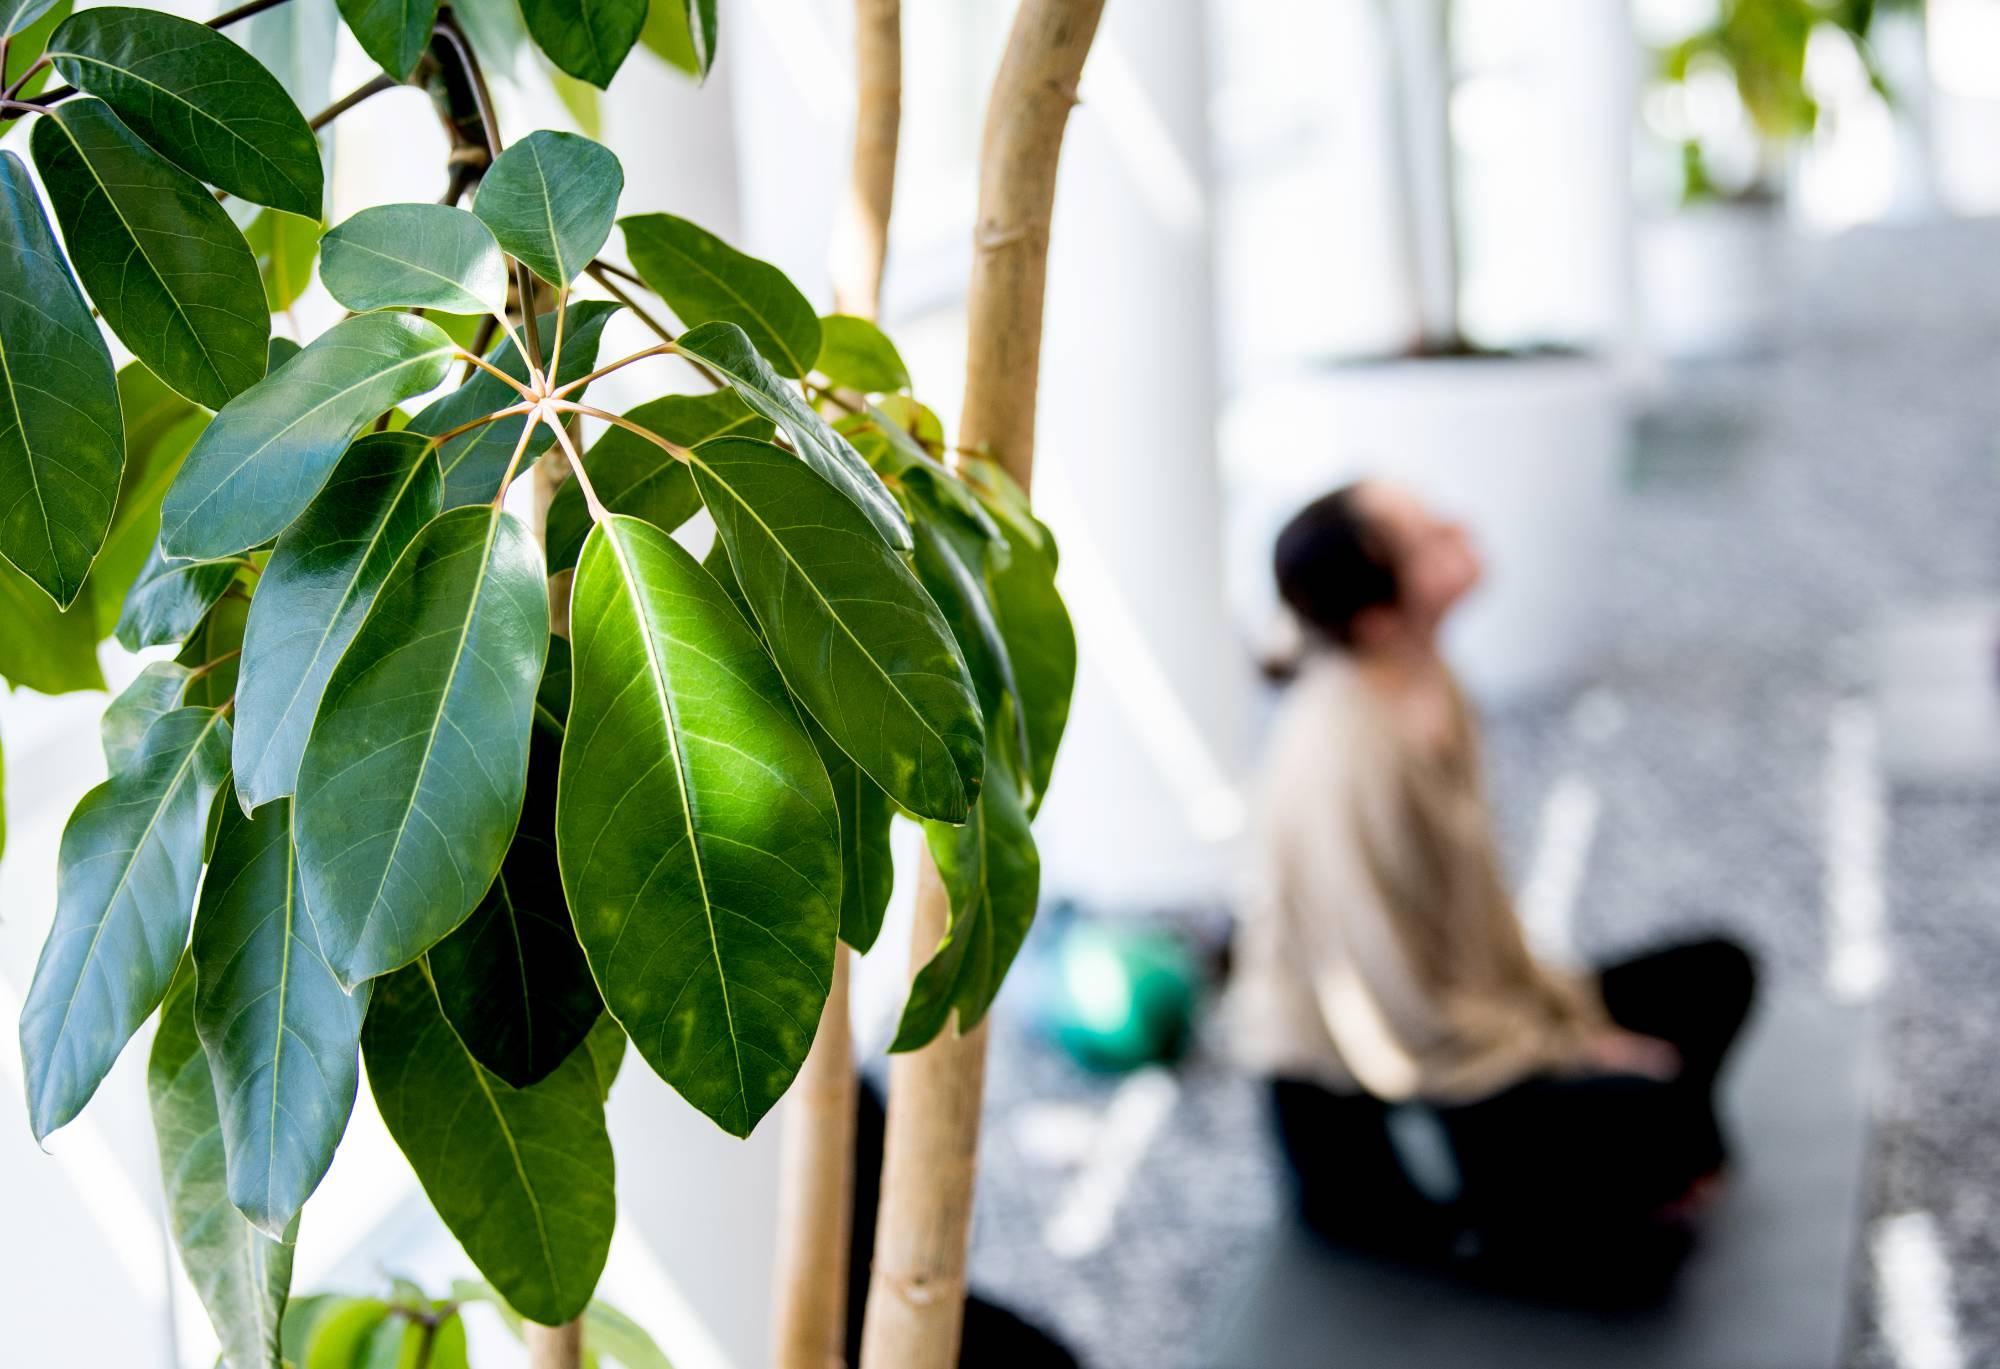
1380,949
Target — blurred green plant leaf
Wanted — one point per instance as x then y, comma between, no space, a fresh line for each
856,355
170,598
285,246
154,693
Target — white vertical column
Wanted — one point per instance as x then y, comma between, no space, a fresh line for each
1145,792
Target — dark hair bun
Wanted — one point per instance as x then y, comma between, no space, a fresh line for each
1331,565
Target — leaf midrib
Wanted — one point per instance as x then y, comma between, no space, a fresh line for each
732,292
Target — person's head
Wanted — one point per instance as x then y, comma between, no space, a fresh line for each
1371,566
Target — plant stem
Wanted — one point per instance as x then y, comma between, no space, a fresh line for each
618,365
535,419
224,659
495,371
350,100
673,449
480,422
21,81
598,513
916,1300
598,270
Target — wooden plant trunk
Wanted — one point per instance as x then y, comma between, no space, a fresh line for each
553,1347
916,1301
816,1162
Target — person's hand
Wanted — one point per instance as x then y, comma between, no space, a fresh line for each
1623,1052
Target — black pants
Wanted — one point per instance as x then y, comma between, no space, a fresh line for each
1561,1178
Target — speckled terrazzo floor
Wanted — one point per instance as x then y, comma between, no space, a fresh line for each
1779,508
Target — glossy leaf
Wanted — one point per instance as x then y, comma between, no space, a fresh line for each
867,864
282,1036
411,783
393,32
160,426
153,694
1041,644
314,592
992,876
726,348
474,462
61,450
125,882
17,15
698,837
605,1044
165,266
701,31
550,200
888,436
258,465
951,564
857,355
632,475
197,99
170,598
703,278
860,644
414,256
522,1177
241,1275
589,39
285,246
511,979
41,647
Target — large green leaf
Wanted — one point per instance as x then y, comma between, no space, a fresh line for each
170,598
125,881
160,426
859,642
285,246
198,99
393,32
474,462
857,355
698,836
414,256
589,39
703,278
166,267
605,1043
511,979
550,199
992,876
313,595
726,348
42,647
951,563
411,783
523,1177
60,448
154,693
867,864
632,475
1041,644
242,1276
17,15
282,1036
258,465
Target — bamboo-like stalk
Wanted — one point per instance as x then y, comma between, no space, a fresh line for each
916,1300
553,1347
816,1163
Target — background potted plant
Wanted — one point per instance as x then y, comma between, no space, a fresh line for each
1734,102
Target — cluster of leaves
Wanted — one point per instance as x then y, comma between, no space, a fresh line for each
409,1329
1763,44
371,811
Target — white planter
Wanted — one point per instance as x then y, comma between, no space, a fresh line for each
1528,450
1712,280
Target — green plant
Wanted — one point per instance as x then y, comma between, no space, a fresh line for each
401,820
409,1329
1762,46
